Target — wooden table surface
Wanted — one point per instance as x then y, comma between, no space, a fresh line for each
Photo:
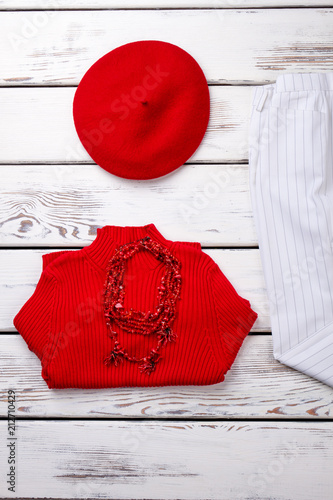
266,432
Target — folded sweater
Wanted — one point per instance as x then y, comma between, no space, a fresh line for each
177,319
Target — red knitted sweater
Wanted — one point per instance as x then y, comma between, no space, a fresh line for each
64,324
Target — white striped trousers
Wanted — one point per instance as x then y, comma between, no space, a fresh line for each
291,186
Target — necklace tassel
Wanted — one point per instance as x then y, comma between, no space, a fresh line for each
149,363
115,357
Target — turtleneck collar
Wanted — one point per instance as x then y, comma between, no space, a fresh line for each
110,237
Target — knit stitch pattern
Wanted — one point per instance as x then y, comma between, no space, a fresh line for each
63,322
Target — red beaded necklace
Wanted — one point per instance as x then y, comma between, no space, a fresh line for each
140,322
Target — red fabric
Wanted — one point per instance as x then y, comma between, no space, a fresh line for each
142,110
63,322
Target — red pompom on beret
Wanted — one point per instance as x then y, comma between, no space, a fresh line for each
142,109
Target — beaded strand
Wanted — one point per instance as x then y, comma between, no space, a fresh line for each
140,322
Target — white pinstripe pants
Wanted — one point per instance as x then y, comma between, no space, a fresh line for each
291,186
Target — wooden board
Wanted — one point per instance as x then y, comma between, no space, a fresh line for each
58,47
155,4
20,271
40,120
190,460
62,205
257,386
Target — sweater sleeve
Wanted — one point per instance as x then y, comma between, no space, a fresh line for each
235,317
33,321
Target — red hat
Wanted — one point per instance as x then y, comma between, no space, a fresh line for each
142,109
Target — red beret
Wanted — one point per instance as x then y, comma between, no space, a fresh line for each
142,109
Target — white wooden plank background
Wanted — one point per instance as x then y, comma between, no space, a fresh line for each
151,4
53,196
68,42
189,460
62,205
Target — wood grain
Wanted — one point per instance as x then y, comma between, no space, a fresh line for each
154,4
62,205
40,120
20,271
257,386
154,460
58,47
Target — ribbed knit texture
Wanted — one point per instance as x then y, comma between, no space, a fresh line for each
63,322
